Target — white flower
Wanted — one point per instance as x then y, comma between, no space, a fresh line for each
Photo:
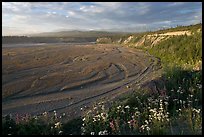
133,117
63,114
105,132
118,107
81,108
92,133
184,102
83,119
166,103
45,113
60,132
100,133
94,119
127,107
57,125
191,95
142,127
36,117
148,129
123,111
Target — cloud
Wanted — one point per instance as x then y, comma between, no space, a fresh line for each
29,17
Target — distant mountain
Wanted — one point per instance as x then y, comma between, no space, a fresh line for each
73,36
76,33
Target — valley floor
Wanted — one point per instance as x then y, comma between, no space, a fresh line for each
68,78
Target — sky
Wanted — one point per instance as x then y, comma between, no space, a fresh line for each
21,18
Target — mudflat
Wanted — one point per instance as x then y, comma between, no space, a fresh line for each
67,78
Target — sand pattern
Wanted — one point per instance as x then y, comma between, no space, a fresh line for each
66,78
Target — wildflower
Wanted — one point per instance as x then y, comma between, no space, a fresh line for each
175,99
137,113
118,107
17,118
184,102
54,111
197,111
36,117
100,132
131,122
83,129
133,117
199,86
84,119
166,103
191,95
60,132
92,133
143,127
45,114
103,107
81,108
57,125
94,119
105,132
112,126
127,107
63,114
148,129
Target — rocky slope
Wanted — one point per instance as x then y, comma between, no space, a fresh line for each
150,39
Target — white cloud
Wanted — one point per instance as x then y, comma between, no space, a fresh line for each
71,13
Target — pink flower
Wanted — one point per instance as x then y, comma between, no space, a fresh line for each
132,122
17,118
112,126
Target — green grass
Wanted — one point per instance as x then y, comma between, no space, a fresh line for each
179,50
